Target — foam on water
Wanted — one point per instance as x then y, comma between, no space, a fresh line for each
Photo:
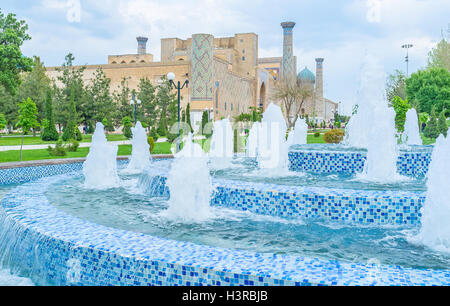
412,133
9,279
190,185
435,230
140,154
100,167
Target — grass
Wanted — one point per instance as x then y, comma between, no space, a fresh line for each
312,139
14,155
15,141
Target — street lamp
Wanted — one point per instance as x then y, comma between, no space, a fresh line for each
407,47
178,87
135,103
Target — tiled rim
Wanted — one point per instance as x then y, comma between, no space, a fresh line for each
143,259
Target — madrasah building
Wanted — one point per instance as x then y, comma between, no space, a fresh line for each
226,75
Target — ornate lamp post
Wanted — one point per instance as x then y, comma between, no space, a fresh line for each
178,87
407,47
135,103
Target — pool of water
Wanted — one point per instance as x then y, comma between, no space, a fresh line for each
128,208
344,148
8,278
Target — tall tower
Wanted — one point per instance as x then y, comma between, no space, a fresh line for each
319,100
202,67
288,68
142,45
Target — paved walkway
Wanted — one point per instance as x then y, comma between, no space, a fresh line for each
45,146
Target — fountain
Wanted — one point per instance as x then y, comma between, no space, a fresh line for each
100,167
140,154
251,147
298,136
189,202
435,230
272,144
412,134
222,144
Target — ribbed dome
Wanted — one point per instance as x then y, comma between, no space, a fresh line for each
306,76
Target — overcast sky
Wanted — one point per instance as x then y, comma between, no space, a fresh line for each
341,31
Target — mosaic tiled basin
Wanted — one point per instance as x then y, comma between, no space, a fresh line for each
61,249
337,159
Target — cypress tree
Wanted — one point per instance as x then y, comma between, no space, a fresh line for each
442,123
188,117
69,131
205,121
49,133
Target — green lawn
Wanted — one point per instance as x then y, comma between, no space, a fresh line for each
312,139
15,141
14,156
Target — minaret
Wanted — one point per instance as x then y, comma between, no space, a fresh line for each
288,69
142,45
320,102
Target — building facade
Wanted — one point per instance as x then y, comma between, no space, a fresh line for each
226,75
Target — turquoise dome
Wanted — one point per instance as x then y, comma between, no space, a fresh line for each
306,75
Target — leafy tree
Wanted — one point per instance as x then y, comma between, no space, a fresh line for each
98,103
122,99
257,113
423,119
162,129
49,133
167,103
439,57
8,107
2,121
292,96
27,119
432,129
396,86
442,123
13,33
188,117
127,124
35,85
401,107
71,92
431,88
146,93
70,131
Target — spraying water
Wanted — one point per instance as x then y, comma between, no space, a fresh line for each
272,144
100,167
435,230
412,134
189,183
222,144
376,121
298,136
251,147
140,155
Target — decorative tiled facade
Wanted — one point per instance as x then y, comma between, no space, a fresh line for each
202,63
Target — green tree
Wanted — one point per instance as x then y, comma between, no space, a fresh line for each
147,96
167,103
401,107
432,129
431,88
35,85
127,124
122,99
396,86
49,133
8,107
13,33
442,123
3,121
28,114
439,57
205,121
423,119
71,130
188,117
98,103
72,90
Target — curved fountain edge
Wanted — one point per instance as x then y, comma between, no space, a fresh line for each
74,251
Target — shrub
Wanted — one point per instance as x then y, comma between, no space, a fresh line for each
317,134
73,145
126,121
442,123
432,129
334,136
151,142
58,150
